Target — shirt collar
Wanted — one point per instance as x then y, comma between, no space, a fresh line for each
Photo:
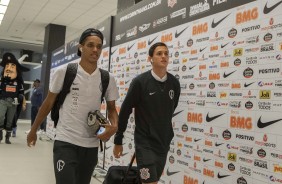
157,77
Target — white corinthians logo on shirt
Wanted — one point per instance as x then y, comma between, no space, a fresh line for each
60,165
171,94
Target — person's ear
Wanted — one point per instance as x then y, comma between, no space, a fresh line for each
150,59
80,49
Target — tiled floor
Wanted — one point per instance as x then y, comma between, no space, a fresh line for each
20,164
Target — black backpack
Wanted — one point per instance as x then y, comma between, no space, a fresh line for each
68,80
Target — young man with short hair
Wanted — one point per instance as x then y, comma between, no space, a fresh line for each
154,95
75,152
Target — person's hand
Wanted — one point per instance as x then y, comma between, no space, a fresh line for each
117,151
31,138
23,107
110,130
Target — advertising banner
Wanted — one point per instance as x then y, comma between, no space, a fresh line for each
227,57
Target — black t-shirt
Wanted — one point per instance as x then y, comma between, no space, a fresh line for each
10,88
154,104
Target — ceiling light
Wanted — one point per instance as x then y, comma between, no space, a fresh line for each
4,2
3,7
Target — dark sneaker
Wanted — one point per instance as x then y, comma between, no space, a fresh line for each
7,141
8,135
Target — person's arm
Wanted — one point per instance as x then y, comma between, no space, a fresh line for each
131,100
112,114
113,117
21,89
177,95
24,104
41,115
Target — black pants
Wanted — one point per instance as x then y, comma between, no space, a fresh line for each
73,164
150,164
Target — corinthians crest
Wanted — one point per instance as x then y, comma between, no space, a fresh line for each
144,173
171,94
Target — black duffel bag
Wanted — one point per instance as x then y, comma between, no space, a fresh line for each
123,174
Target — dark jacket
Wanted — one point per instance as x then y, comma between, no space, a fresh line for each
154,104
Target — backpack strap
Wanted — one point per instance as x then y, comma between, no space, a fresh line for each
105,78
128,168
68,80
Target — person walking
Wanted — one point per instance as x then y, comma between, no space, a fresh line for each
154,95
36,101
75,151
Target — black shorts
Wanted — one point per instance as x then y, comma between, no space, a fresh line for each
150,164
73,164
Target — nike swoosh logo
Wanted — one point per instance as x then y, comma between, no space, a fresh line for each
152,93
214,24
113,52
171,173
108,147
218,144
175,114
222,46
247,85
209,119
128,48
201,50
196,140
222,176
151,41
227,75
124,154
267,10
266,124
190,68
178,34
206,160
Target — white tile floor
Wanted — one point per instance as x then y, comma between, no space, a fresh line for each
20,164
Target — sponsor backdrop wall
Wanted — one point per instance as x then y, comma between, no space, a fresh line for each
227,57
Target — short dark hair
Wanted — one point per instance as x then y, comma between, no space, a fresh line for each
153,47
37,80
